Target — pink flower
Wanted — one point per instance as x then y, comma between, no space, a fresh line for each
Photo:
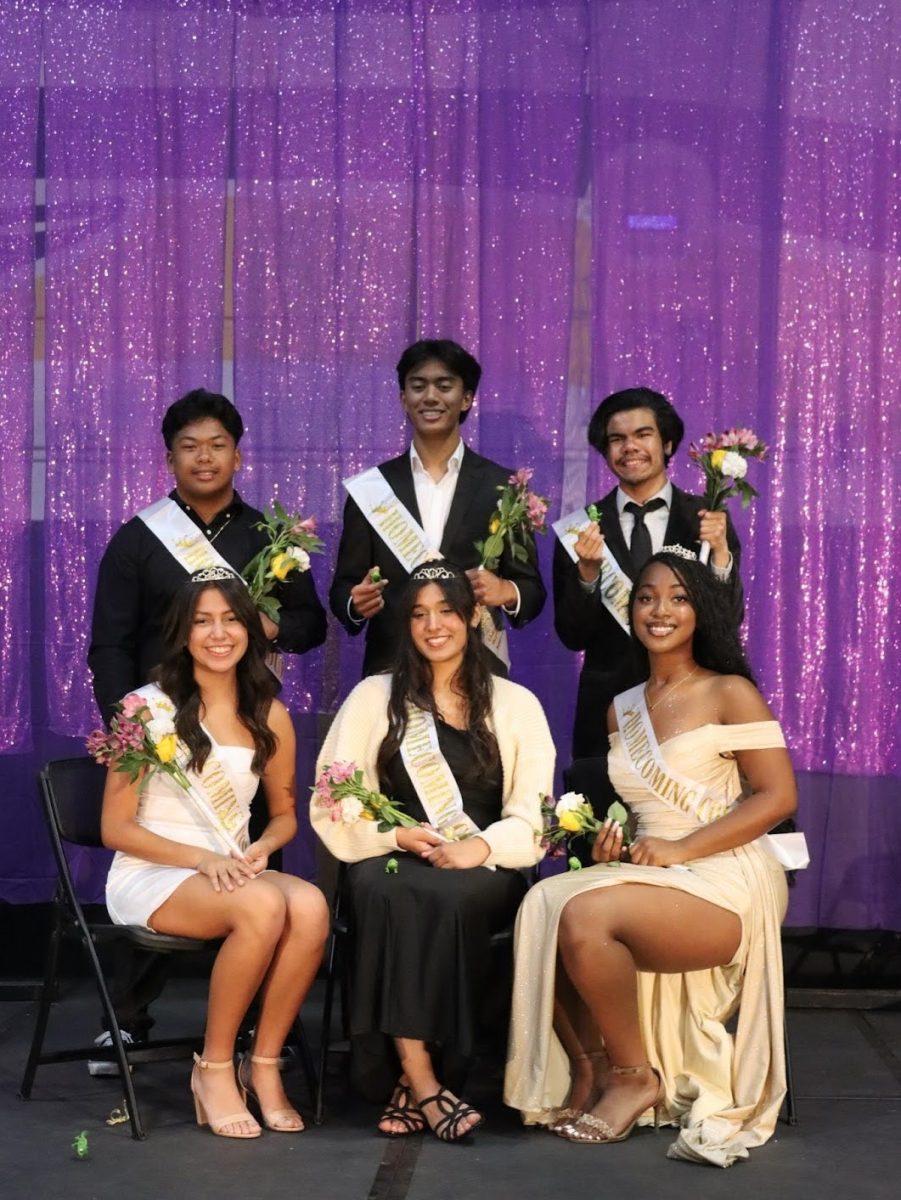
133,703
307,525
521,477
537,510
340,772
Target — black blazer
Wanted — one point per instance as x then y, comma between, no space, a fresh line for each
583,623
475,499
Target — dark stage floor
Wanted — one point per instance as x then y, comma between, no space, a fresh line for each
847,1144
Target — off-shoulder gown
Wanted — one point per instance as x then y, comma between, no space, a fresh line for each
723,1088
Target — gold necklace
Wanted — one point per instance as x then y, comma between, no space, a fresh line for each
671,688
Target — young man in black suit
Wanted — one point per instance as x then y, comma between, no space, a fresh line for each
637,431
448,492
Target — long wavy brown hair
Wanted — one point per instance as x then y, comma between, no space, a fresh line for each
411,681
257,686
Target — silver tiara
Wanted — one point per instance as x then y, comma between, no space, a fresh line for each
213,575
680,552
428,571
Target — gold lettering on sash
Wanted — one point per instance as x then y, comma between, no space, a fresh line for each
404,540
219,792
195,553
645,763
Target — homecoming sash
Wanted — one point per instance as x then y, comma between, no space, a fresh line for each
181,537
408,541
643,750
432,778
212,792
173,527
615,585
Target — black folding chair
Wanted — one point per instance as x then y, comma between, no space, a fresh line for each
72,794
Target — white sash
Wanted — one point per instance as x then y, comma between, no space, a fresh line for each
615,585
408,541
173,527
643,750
181,537
432,778
212,792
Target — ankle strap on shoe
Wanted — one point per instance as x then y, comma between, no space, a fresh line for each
206,1065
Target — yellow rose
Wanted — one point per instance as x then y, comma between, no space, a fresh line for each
366,815
281,565
716,459
166,747
570,821
494,525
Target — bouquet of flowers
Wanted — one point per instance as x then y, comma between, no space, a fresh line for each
341,790
723,459
519,513
138,741
572,816
291,542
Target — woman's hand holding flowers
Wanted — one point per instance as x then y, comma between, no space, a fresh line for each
418,840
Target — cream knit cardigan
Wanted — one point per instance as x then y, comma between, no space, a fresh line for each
527,760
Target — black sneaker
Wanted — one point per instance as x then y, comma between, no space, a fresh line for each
103,1066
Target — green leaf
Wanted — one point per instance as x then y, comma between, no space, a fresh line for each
616,812
280,512
520,553
493,546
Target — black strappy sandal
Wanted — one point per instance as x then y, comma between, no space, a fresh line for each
453,1111
403,1109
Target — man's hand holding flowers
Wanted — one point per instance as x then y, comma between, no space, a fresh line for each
723,459
519,514
291,541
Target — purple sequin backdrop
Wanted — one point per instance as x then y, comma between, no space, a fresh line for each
20,61
414,168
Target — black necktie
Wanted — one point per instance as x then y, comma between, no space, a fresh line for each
640,543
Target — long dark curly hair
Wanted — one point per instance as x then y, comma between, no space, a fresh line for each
412,674
256,684
715,644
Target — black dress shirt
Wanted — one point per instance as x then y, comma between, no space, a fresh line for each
138,578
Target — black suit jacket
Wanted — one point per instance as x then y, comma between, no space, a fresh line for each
475,499
583,623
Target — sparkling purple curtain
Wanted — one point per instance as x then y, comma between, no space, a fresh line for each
20,64
701,198
432,196
137,121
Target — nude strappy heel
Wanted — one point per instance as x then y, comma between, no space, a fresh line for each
279,1120
563,1119
217,1124
592,1130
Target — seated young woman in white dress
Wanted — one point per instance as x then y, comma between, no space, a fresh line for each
456,746
174,870
627,972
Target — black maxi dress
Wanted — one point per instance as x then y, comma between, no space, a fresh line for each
422,958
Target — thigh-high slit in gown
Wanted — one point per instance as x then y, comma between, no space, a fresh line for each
723,1088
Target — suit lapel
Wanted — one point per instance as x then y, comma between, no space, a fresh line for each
467,487
399,474
681,528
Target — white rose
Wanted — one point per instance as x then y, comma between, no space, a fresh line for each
160,727
568,801
300,556
351,808
733,465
